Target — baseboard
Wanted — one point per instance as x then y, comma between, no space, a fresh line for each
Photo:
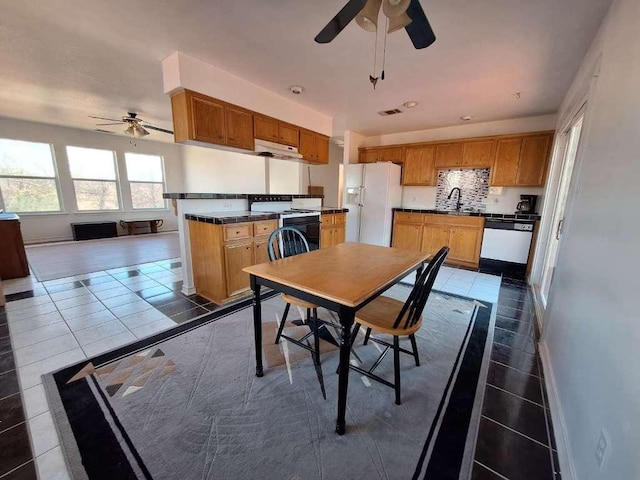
188,291
43,241
567,469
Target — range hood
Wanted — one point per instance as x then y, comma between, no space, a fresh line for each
276,150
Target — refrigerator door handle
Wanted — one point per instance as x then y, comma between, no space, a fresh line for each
362,192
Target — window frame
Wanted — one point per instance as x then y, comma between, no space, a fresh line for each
116,181
55,178
163,183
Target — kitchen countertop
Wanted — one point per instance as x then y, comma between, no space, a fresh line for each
9,216
328,210
507,216
221,218
225,196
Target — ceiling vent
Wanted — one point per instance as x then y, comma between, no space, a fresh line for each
386,113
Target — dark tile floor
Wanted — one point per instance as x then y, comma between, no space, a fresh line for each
16,460
515,439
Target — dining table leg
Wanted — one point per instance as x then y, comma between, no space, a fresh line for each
347,316
257,325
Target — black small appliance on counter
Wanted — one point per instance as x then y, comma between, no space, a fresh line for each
527,204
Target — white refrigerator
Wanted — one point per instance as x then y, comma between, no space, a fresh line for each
372,190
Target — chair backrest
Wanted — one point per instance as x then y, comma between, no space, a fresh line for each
286,242
412,308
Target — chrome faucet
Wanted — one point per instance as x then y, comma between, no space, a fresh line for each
458,203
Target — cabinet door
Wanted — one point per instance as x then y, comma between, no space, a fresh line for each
339,234
288,134
208,120
407,236
418,167
265,128
261,252
326,236
308,145
449,155
465,244
239,128
322,149
236,258
478,154
533,161
390,154
434,237
505,166
369,155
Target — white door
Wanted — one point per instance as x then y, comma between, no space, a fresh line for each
572,139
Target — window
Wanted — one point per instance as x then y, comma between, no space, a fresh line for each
94,178
28,177
146,180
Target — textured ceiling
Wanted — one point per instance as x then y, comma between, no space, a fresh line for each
62,60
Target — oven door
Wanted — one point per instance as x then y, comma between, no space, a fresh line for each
308,225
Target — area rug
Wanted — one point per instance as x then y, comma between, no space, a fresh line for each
52,261
186,404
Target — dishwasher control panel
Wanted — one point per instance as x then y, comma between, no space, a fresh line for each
523,227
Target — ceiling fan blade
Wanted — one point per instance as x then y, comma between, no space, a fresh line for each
102,124
110,119
419,30
158,129
341,20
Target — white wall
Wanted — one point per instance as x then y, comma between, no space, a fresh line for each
591,330
284,176
326,176
218,171
55,227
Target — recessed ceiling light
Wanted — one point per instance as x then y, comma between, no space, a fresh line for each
410,104
466,118
296,89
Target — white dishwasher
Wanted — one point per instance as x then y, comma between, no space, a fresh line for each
505,247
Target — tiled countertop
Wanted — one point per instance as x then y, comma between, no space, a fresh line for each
472,214
221,218
330,209
224,196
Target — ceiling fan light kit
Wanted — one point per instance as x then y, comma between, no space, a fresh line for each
395,8
136,126
396,23
368,16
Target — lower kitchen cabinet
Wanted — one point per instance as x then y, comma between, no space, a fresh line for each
429,233
220,252
333,229
13,260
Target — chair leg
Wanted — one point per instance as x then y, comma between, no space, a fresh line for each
308,316
316,336
282,322
366,336
396,367
415,349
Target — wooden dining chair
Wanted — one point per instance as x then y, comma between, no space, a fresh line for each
285,242
390,316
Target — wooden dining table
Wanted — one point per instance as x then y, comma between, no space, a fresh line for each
343,279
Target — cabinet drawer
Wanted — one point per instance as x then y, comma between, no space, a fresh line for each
233,232
408,217
263,228
340,218
327,219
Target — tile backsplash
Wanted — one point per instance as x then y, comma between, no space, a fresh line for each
473,183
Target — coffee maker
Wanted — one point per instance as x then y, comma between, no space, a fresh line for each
527,204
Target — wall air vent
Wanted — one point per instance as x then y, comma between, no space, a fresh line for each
385,113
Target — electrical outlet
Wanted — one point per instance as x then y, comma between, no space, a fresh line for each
602,448
495,190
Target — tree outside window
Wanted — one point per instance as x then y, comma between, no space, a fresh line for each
94,178
28,180
146,180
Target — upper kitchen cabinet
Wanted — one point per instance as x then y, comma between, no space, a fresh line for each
314,147
521,161
449,155
381,154
273,130
419,166
478,153
205,119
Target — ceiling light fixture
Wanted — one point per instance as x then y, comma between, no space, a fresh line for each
296,89
466,118
410,104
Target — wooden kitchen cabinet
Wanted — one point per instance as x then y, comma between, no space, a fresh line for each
13,259
208,119
419,166
314,147
368,155
288,134
534,156
390,154
449,155
265,128
407,236
434,237
478,153
465,243
220,252
239,128
333,229
505,166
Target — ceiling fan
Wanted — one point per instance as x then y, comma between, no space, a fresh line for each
136,127
400,13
